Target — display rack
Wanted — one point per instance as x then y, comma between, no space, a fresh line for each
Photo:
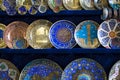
106,57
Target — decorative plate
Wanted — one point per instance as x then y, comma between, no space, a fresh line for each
62,34
86,34
38,34
72,4
109,34
8,71
56,5
41,69
23,6
84,69
115,4
10,6
87,4
100,4
115,72
15,35
2,29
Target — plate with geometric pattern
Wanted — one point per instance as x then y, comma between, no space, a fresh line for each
41,69
84,69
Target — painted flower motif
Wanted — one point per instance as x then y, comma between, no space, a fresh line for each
108,34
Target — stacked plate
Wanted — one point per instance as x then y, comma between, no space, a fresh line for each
34,6
45,69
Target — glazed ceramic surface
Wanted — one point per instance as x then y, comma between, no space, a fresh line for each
15,35
115,72
108,34
38,34
86,34
84,69
62,34
41,69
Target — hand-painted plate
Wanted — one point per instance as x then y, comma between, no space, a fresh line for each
115,72
84,69
41,69
56,5
100,4
62,34
2,29
10,6
15,35
86,34
115,4
40,5
109,34
8,71
87,4
72,4
38,34
24,6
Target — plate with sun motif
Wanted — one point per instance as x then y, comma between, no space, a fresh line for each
41,69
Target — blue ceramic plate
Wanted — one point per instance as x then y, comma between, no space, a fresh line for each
41,69
8,71
86,34
84,69
115,72
62,34
10,6
109,34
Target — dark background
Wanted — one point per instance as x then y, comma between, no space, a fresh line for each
106,57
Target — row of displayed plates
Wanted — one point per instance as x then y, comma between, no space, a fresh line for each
33,6
45,69
63,34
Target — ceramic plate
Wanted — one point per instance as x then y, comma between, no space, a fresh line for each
41,69
15,35
62,34
72,4
38,34
86,34
109,34
84,69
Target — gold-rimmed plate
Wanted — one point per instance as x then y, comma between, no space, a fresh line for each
38,34
72,4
